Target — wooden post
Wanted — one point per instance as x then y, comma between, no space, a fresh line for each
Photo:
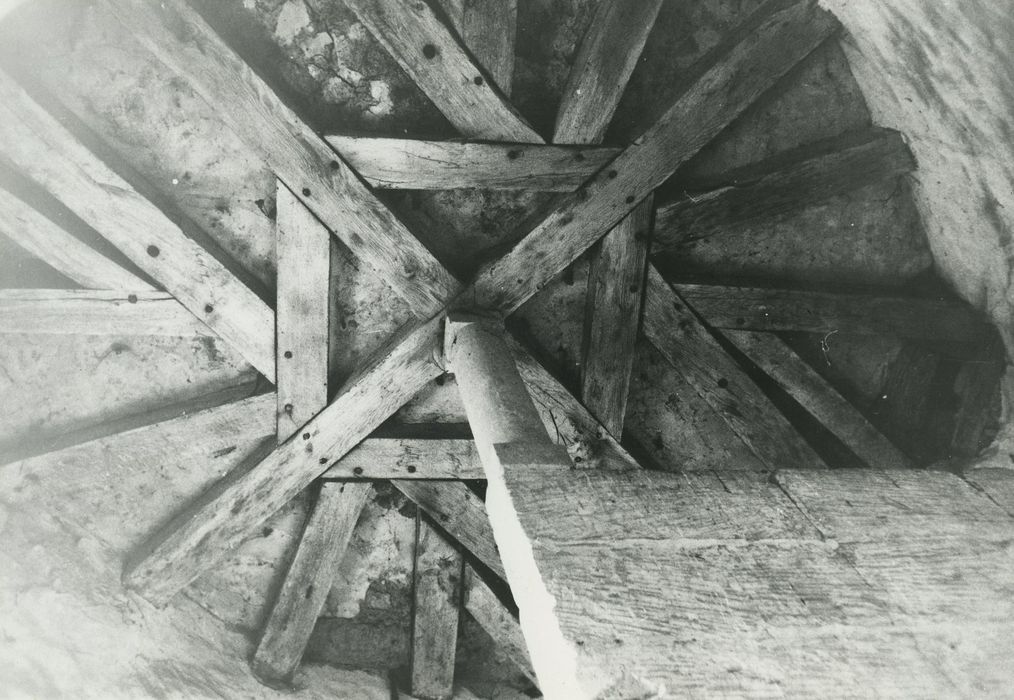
439,570
511,441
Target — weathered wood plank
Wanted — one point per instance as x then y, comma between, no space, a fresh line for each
454,507
431,55
590,445
301,351
613,314
442,165
304,252
402,458
494,617
818,397
756,309
786,182
728,87
722,585
178,36
60,250
488,28
182,550
682,338
439,570
208,530
997,484
604,63
978,386
499,408
325,538
607,56
96,312
45,151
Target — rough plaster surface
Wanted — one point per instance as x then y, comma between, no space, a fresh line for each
940,73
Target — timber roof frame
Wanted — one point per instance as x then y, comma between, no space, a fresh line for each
606,205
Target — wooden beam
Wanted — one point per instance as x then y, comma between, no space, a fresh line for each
731,84
46,152
443,165
510,439
181,551
738,584
684,341
607,56
588,442
301,351
207,531
439,65
978,388
499,408
500,624
304,251
783,183
613,315
401,458
461,514
60,250
488,28
436,591
604,63
756,309
818,397
178,36
95,312
325,539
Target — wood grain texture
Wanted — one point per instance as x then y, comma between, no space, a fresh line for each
308,580
303,292
500,624
575,221
461,514
606,58
977,386
178,36
757,309
46,152
799,584
567,420
404,458
684,341
211,527
783,183
60,250
613,315
441,165
96,312
488,28
439,65
436,590
818,397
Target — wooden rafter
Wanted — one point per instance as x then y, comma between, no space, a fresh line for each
413,164
428,51
303,246
49,154
488,28
782,183
494,617
188,546
818,397
758,309
604,63
297,155
682,338
437,583
50,243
